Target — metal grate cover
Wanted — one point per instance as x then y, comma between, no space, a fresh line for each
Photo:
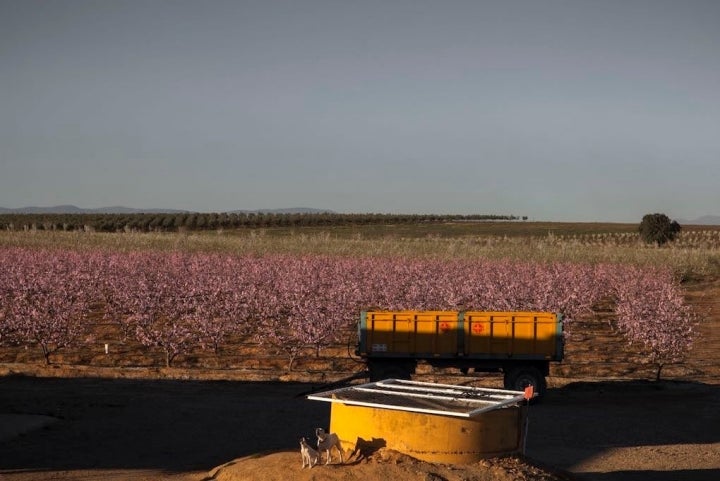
423,397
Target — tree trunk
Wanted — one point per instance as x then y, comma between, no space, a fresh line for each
46,353
659,370
292,361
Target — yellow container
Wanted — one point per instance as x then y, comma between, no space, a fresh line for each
461,334
429,437
425,332
516,333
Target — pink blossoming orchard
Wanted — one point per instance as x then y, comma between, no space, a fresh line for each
179,302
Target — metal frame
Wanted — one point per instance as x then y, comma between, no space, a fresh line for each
458,401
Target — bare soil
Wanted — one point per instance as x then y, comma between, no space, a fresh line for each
93,415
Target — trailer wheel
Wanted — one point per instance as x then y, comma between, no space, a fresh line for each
518,378
380,370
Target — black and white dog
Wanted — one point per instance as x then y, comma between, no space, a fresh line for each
327,441
310,457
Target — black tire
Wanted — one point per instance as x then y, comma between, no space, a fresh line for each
380,370
518,378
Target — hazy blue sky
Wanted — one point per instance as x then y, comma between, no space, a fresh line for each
559,110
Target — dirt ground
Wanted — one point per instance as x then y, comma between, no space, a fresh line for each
601,419
133,429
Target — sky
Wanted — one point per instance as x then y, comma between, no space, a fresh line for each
557,110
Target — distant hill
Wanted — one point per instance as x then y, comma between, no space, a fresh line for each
288,210
72,209
704,220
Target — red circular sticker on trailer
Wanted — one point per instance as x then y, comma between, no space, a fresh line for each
444,326
478,328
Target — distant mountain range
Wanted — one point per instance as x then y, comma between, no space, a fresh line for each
704,220
72,209
287,210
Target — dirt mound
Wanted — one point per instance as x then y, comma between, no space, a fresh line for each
382,464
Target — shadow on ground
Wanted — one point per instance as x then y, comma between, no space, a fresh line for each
152,424
629,430
600,431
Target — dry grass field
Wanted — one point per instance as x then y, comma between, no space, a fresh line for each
695,254
237,415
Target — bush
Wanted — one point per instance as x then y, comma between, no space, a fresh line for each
658,229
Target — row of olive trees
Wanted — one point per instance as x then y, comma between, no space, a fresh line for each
172,222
